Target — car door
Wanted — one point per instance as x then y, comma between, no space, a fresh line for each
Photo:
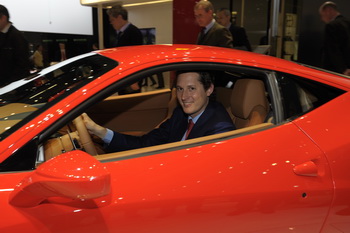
253,181
260,182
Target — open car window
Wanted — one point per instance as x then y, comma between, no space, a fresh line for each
300,95
139,113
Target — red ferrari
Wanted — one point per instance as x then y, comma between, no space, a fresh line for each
284,169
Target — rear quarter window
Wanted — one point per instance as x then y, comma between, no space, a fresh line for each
301,95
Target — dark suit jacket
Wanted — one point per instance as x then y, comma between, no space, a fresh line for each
14,56
240,39
336,56
214,119
131,36
216,36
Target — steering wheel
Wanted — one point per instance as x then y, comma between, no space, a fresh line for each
85,138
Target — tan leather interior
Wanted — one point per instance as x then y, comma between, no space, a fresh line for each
171,106
142,111
13,113
223,95
59,145
15,108
249,104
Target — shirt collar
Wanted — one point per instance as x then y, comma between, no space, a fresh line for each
335,16
195,119
6,28
228,26
210,25
122,29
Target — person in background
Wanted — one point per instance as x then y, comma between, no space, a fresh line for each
212,33
63,52
160,79
14,51
336,53
196,116
126,34
94,47
240,39
145,81
37,57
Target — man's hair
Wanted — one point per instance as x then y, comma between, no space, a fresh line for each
205,77
4,11
117,10
206,5
225,11
328,4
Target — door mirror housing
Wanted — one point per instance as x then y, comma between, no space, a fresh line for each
75,175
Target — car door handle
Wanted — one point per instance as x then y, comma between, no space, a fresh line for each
308,168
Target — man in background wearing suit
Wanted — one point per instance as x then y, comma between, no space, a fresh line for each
336,54
14,51
212,33
240,39
195,117
127,34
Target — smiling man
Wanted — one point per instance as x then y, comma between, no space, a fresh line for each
192,90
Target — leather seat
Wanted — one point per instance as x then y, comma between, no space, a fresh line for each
249,104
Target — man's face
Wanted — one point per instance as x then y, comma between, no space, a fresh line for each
223,19
203,18
326,15
3,22
191,94
117,22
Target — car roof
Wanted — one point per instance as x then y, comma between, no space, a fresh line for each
162,54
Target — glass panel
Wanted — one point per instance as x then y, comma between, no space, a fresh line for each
24,99
253,15
302,95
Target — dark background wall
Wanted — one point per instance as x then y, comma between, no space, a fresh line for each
311,30
185,28
75,44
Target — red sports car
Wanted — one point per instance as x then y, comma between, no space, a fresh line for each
286,168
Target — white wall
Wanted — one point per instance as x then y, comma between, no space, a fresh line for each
52,16
159,16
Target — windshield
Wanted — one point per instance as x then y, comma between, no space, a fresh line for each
22,100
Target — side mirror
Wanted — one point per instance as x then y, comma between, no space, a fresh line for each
75,175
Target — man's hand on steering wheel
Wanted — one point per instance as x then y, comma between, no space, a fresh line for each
92,127
84,136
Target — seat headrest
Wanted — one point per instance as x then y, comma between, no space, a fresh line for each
246,95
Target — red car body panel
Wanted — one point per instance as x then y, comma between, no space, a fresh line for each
156,190
205,188
334,144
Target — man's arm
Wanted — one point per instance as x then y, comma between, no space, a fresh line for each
225,38
119,142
